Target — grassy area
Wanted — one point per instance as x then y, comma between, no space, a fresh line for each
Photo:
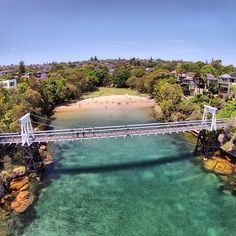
102,91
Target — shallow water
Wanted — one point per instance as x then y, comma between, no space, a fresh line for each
128,186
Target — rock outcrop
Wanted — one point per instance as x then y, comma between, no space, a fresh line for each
219,166
230,146
22,201
18,171
47,159
20,184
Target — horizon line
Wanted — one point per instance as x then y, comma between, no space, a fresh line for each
117,58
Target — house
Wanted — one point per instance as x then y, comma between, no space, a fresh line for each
111,71
187,83
10,83
210,77
41,75
196,84
5,72
28,74
149,69
209,80
225,81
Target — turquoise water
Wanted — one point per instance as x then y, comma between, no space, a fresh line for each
128,186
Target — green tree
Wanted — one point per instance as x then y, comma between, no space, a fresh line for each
138,72
217,64
226,70
213,87
34,101
154,77
120,77
168,97
232,89
102,76
186,67
208,69
228,111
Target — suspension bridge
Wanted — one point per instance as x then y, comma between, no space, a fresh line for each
30,140
27,136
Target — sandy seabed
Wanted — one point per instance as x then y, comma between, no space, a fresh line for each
106,102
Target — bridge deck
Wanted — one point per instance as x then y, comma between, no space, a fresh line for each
110,131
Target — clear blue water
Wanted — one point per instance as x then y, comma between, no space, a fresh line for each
128,186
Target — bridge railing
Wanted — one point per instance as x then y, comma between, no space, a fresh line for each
120,130
132,126
117,128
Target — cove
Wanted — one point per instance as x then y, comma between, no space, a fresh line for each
127,186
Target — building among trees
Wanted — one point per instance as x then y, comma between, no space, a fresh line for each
226,81
10,83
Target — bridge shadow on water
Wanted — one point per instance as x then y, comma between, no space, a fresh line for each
124,166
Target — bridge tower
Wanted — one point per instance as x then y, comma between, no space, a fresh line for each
27,132
207,141
30,149
212,111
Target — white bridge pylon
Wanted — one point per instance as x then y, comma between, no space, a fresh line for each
27,132
212,111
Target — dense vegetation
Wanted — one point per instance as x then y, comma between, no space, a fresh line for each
66,81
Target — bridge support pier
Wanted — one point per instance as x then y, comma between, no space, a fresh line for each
207,143
31,156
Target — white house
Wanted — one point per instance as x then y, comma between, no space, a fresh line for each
10,83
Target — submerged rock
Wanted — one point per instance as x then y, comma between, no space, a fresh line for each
22,201
4,215
224,178
20,184
3,229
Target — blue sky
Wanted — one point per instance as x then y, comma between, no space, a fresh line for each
38,31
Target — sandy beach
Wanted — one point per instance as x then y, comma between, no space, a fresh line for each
106,102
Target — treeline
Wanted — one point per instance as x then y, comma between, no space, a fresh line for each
66,81
41,96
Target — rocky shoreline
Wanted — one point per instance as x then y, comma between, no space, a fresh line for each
224,166
223,161
18,186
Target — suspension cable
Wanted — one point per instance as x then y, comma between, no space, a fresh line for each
43,118
46,119
40,123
